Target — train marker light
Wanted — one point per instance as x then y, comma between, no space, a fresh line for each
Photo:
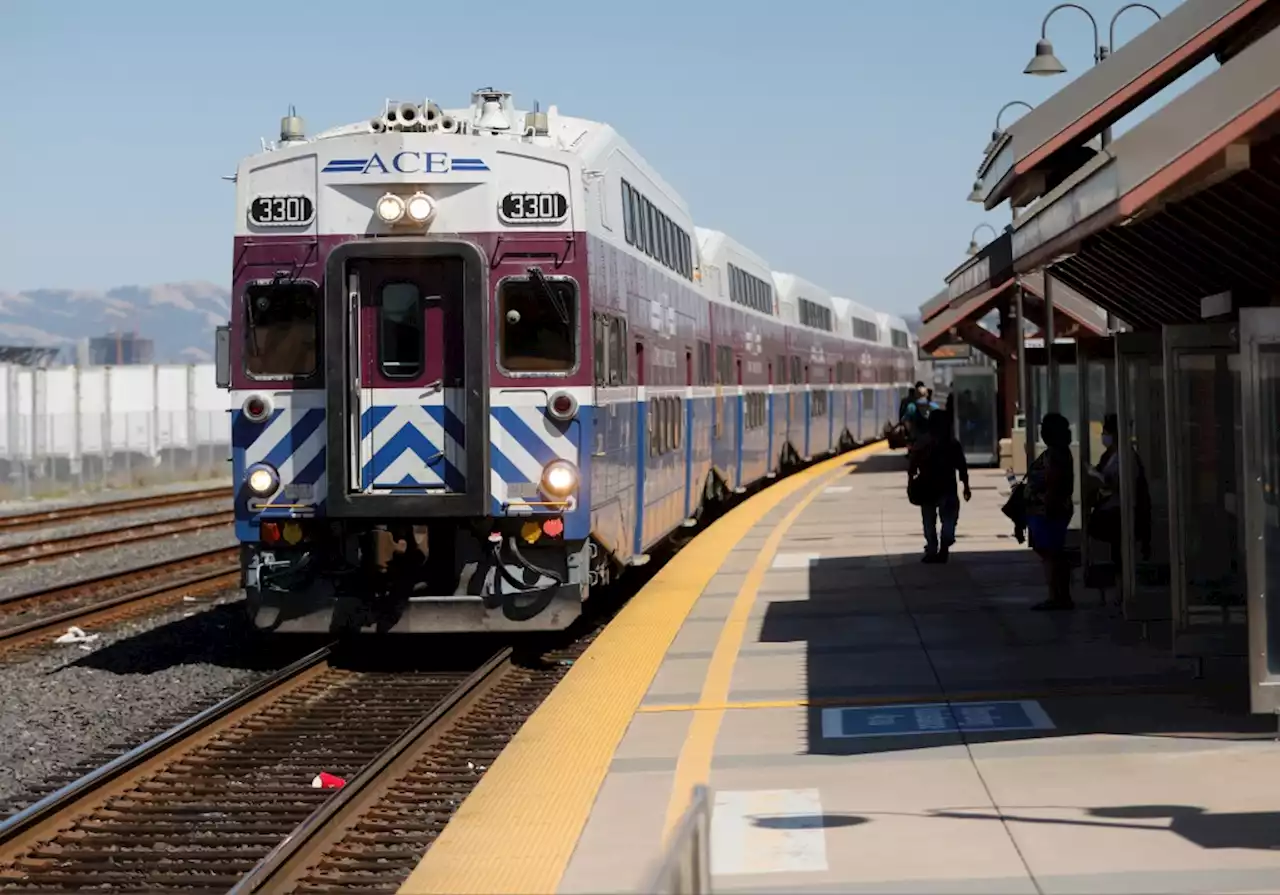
559,478
257,408
262,480
420,208
562,406
390,208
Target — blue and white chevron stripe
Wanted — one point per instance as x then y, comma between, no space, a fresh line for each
412,445
293,441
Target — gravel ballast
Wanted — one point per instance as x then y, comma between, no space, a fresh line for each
71,708
70,569
20,506
116,520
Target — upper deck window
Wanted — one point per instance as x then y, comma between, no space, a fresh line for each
538,324
282,329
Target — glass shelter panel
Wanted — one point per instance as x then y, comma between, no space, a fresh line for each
1202,420
1098,468
1260,418
1144,481
975,413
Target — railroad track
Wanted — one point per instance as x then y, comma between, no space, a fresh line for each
107,508
30,618
53,548
225,800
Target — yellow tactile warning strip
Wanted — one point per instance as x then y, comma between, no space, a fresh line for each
518,828
694,764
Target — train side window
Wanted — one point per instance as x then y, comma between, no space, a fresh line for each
538,331
600,331
282,334
400,330
795,370
628,222
617,351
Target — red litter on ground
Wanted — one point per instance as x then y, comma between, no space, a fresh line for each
325,780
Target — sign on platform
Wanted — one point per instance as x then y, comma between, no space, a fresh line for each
941,717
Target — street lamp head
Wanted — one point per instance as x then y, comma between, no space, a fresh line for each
1044,62
975,195
973,247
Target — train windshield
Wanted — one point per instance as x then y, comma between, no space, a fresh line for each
538,319
283,329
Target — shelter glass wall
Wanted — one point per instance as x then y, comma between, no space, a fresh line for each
1202,367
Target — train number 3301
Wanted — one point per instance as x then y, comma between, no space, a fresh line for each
281,211
525,208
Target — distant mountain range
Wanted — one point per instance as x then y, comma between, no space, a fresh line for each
178,317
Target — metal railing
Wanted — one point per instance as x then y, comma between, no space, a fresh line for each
685,868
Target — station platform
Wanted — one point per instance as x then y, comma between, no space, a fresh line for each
871,724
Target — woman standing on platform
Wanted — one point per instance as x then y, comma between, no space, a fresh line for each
1050,506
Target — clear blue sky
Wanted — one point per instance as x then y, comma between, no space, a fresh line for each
838,138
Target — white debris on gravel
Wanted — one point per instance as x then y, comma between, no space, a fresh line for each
68,709
114,520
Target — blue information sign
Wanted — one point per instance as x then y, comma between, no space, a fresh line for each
940,717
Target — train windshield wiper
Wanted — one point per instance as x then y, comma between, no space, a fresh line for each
562,311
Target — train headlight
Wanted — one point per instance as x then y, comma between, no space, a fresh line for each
262,480
559,478
420,208
390,208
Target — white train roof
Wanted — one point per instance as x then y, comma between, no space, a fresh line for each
791,288
717,250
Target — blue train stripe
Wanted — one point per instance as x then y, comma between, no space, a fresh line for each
524,436
370,419
452,426
295,438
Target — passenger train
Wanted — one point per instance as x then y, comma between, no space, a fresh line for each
481,359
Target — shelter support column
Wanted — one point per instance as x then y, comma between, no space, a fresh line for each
1008,381
1051,363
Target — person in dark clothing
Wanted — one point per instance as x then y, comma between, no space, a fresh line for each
908,400
1104,516
934,464
1050,506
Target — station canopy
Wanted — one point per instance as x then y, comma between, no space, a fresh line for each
1183,207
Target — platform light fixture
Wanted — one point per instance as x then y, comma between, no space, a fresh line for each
974,248
1045,63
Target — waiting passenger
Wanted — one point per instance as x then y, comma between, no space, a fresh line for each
1104,518
935,462
905,404
1050,506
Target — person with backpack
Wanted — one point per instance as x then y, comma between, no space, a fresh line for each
934,464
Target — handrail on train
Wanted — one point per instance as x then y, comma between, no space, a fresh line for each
685,867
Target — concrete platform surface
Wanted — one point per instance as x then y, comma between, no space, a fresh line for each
868,723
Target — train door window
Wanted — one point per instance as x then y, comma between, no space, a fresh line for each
704,363
538,325
283,329
795,370
600,345
617,351
820,403
688,366
400,330
677,405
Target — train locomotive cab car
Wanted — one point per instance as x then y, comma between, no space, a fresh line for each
481,359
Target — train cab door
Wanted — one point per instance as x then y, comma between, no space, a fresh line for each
414,412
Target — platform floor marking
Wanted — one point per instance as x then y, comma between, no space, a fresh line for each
694,764
934,718
795,560
517,830
902,698
838,489
767,831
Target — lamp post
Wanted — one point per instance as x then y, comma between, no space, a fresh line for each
1045,63
974,248
976,194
